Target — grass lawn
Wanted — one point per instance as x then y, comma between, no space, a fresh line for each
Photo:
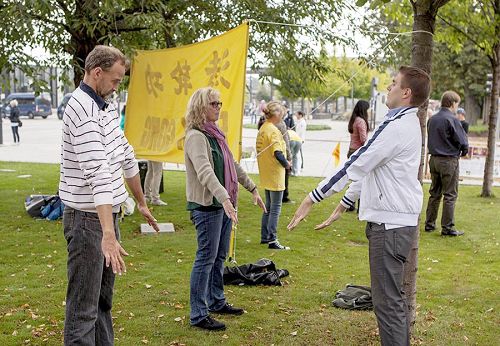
458,278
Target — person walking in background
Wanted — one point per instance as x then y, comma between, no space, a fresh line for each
272,163
384,173
447,141
288,118
212,178
95,157
14,120
301,128
152,183
461,118
295,147
358,126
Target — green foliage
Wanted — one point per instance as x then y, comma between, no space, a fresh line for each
456,279
69,29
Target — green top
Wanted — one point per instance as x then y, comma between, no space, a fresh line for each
218,158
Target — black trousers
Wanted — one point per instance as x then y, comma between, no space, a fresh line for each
444,175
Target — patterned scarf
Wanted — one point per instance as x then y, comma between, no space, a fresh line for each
230,177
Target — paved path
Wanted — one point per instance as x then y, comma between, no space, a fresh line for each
41,139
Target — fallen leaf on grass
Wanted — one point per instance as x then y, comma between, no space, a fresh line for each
293,333
148,286
160,316
225,336
178,319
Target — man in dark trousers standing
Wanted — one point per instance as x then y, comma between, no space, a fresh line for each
447,141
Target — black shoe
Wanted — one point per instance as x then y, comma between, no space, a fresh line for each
228,309
275,245
287,200
264,241
429,229
210,324
451,233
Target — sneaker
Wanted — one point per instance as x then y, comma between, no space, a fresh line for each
158,202
210,324
275,245
228,309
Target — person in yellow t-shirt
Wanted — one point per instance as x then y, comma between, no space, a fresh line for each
272,164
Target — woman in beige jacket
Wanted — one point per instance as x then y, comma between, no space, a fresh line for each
212,178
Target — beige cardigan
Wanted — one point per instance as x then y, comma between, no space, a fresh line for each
201,182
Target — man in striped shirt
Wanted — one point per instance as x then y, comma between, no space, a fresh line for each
95,156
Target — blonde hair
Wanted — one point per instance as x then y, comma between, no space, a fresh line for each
273,108
13,103
197,105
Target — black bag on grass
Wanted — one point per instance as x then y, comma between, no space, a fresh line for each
263,272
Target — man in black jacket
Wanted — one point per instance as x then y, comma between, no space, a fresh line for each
447,141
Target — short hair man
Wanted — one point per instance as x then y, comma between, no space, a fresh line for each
386,170
447,141
94,156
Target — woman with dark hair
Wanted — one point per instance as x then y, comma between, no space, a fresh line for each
358,126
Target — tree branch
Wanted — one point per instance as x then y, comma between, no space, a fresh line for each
50,21
63,7
461,31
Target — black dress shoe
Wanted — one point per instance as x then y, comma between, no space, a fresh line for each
451,233
210,324
430,229
228,309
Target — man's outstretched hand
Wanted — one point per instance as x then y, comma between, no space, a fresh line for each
337,213
301,212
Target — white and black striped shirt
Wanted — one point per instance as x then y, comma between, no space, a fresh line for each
94,154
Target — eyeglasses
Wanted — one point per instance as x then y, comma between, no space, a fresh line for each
216,104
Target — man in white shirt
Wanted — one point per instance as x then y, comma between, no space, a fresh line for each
95,155
384,173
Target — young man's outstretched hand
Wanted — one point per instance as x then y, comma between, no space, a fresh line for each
304,209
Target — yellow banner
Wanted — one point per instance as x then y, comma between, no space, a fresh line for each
162,81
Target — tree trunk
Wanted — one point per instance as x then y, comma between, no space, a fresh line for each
492,124
424,19
472,106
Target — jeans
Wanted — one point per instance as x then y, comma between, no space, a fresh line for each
388,251
213,230
152,180
15,133
90,283
269,224
444,175
295,147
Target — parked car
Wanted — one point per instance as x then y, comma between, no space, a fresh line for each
29,105
62,105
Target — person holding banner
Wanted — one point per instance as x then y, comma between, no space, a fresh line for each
212,178
385,169
271,149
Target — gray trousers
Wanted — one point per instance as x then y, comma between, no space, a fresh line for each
152,180
388,250
444,175
90,284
